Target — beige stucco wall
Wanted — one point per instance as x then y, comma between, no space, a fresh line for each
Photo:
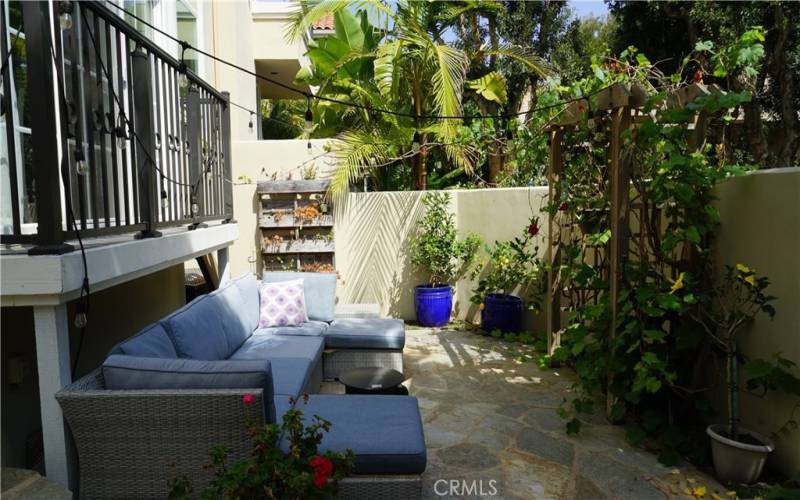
760,227
373,232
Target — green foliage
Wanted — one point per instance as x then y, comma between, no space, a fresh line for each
436,247
302,473
511,265
648,366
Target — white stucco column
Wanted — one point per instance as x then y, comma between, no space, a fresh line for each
53,363
223,261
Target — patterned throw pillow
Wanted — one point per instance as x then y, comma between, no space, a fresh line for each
282,304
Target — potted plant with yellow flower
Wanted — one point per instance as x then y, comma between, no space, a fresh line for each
739,454
511,265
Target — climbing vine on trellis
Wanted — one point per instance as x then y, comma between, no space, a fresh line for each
632,172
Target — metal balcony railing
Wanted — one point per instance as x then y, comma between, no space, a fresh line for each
106,133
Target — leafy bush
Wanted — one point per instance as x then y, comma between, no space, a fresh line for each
436,248
513,264
302,473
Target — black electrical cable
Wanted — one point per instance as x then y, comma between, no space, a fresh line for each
83,299
184,44
10,51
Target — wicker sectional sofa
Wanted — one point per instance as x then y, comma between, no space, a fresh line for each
166,396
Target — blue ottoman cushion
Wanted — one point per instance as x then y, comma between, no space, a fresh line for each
319,289
366,333
384,432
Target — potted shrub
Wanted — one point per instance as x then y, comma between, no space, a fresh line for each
437,250
512,264
739,454
302,473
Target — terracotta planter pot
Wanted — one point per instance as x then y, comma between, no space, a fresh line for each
737,462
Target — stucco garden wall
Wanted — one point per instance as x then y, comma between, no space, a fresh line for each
760,227
373,232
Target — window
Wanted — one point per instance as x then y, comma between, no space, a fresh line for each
187,31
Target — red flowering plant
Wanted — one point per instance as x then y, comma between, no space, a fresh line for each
302,472
513,265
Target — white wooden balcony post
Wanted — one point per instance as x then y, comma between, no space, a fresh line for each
53,364
224,265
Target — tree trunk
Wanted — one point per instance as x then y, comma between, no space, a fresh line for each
495,163
733,393
785,149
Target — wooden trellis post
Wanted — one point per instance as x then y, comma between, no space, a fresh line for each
616,99
553,302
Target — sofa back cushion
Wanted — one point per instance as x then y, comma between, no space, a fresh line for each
248,288
320,291
232,310
197,331
151,342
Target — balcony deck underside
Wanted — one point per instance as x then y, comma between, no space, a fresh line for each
114,259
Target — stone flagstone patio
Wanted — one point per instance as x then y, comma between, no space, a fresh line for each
489,417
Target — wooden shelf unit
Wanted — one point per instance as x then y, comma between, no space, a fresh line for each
290,239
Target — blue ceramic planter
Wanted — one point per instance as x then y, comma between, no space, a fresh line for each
433,304
501,312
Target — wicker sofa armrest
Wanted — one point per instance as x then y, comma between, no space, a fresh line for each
130,443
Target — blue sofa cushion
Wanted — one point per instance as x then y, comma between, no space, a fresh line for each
152,342
366,333
319,288
384,432
134,372
269,346
292,376
307,329
232,308
248,288
196,330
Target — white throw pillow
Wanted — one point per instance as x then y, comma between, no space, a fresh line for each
282,304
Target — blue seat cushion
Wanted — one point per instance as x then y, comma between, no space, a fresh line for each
197,331
319,289
232,309
308,329
366,333
270,346
384,432
248,289
141,373
152,342
291,376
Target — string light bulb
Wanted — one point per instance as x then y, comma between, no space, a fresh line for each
309,116
81,167
81,319
164,199
415,143
195,206
65,17
250,125
121,135
183,77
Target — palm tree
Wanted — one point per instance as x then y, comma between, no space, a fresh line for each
404,65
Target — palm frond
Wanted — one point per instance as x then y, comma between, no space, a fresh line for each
525,57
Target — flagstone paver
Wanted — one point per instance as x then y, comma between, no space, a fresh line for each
489,417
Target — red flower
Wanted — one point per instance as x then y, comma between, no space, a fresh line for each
564,205
533,229
248,399
581,108
323,468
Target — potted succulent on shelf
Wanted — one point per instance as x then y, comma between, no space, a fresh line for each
512,264
739,454
437,250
